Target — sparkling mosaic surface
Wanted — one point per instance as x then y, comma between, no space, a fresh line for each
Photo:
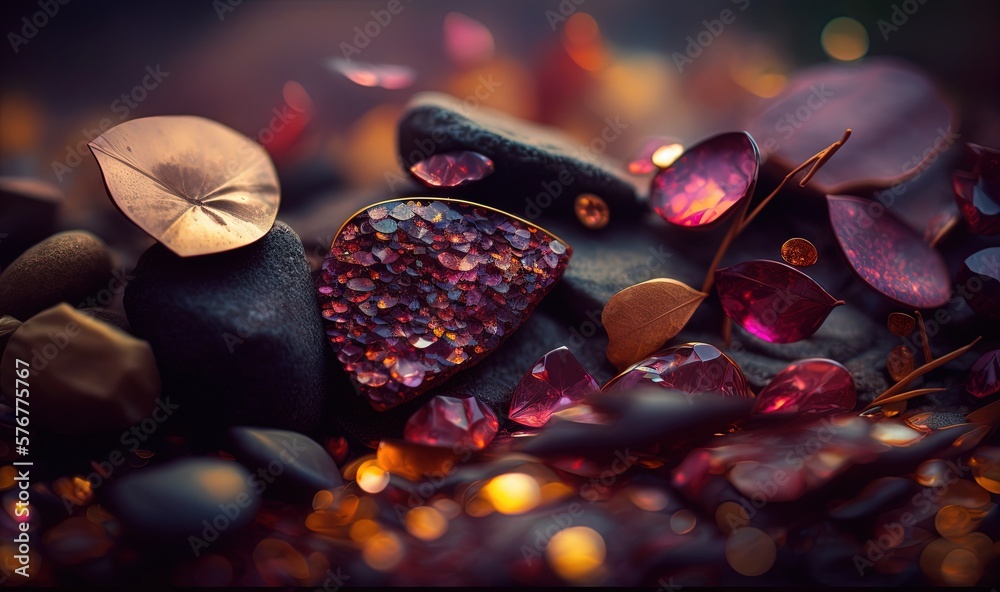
414,291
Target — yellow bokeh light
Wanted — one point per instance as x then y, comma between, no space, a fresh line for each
372,478
513,493
750,551
666,155
577,554
648,498
383,551
844,39
364,529
426,523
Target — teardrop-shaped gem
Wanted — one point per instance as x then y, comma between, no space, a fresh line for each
414,291
813,385
690,368
888,255
773,301
704,184
555,382
452,169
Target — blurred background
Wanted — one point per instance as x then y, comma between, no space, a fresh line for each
683,70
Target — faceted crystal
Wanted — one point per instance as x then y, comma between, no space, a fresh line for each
410,303
813,385
460,421
690,368
979,278
984,376
555,382
452,168
701,186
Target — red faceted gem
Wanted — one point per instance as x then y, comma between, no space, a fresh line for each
984,376
773,301
979,280
814,385
556,381
690,368
979,205
461,421
452,168
701,186
888,255
414,291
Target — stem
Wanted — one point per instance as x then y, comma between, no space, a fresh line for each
952,222
928,357
816,161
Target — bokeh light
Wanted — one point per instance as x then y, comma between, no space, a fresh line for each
577,554
844,39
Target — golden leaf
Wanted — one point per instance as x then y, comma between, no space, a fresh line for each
920,371
192,184
641,318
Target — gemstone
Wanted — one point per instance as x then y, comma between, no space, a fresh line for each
980,210
555,382
459,421
373,75
901,362
448,285
591,211
701,186
690,368
979,278
901,324
813,385
773,301
799,252
452,168
984,376
888,255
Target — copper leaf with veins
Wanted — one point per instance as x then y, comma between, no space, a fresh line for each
641,318
192,184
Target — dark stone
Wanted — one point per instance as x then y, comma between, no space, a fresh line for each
538,169
293,466
167,504
108,316
66,267
237,335
28,210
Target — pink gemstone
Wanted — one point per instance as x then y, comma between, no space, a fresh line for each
414,291
984,376
701,186
555,382
461,421
452,169
690,368
773,301
979,206
813,385
887,254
